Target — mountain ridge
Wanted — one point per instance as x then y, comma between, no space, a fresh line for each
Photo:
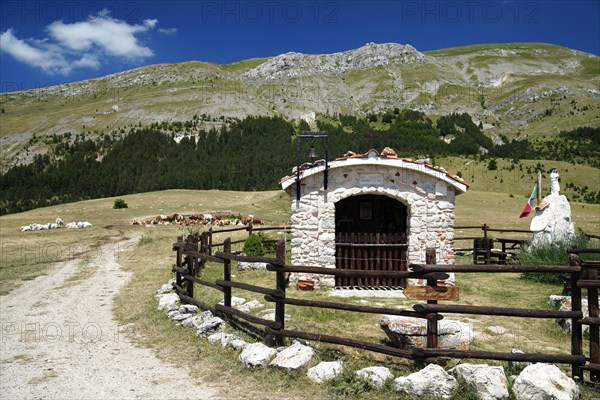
515,90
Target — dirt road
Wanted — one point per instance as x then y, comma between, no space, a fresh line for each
62,342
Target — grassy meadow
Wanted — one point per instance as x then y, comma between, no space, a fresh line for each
26,255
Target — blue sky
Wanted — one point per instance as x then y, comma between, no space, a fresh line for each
50,42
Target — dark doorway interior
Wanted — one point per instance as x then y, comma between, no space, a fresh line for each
370,213
370,236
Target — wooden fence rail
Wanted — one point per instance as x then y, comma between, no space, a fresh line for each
193,253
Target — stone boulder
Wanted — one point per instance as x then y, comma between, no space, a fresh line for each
249,266
553,223
166,288
227,340
408,332
566,323
293,357
209,325
544,382
249,306
325,371
432,381
489,382
168,302
256,355
235,301
376,375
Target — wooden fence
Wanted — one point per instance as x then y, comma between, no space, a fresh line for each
193,254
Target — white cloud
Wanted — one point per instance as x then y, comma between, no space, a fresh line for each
42,55
81,44
112,36
170,31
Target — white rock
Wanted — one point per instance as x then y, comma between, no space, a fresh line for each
516,366
168,302
293,357
553,223
498,330
166,288
430,381
408,332
227,340
271,317
544,382
256,355
237,344
489,382
209,326
235,301
197,320
177,315
566,323
249,306
325,371
376,375
247,266
188,309
556,300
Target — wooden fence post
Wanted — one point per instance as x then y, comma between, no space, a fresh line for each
576,331
592,273
179,259
227,273
432,325
203,249
280,280
210,241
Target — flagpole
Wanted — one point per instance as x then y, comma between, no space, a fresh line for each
539,183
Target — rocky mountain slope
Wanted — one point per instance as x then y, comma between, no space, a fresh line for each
518,90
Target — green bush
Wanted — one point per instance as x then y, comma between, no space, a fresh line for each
253,246
552,254
120,203
145,239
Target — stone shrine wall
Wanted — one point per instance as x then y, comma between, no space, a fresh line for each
429,202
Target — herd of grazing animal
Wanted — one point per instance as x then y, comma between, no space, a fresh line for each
56,225
204,219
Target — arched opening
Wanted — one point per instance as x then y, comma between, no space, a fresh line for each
370,214
371,235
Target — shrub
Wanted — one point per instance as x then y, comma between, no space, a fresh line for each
253,246
552,254
120,203
145,239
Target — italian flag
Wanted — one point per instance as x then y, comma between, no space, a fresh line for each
529,204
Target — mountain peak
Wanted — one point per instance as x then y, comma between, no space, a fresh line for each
292,64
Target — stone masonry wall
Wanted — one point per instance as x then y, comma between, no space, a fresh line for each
429,202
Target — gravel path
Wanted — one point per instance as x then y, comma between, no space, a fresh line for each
63,342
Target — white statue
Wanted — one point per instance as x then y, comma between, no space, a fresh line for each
554,185
552,221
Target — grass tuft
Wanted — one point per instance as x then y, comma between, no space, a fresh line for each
553,254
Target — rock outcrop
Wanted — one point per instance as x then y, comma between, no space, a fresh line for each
553,223
376,375
325,371
431,381
256,355
544,382
408,332
489,382
291,65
